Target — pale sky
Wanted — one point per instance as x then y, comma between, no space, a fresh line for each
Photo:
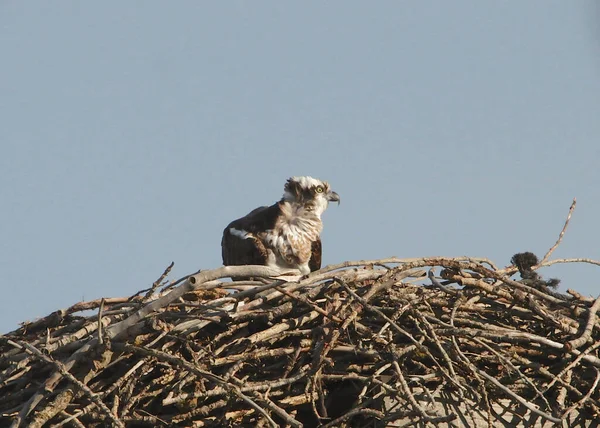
132,132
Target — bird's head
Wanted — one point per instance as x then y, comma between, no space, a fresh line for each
313,194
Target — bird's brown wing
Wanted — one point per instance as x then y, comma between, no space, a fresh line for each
237,251
315,257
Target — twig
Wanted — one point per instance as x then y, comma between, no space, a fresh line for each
562,395
355,412
409,395
562,233
158,282
579,296
572,260
278,411
587,333
435,282
100,338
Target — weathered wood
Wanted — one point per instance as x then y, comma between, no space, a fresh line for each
350,344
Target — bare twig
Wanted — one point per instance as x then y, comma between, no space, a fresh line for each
158,282
587,332
562,233
100,338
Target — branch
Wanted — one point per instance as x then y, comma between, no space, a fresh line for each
587,333
562,233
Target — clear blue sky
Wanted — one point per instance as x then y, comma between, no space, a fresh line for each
132,132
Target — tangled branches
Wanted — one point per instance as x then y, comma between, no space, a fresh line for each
350,344
393,342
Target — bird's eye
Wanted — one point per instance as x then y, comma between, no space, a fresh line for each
319,189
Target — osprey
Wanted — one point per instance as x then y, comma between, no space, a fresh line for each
284,235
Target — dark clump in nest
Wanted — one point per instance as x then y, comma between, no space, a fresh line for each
525,262
357,344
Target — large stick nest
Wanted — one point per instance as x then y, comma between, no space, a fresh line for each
395,342
350,344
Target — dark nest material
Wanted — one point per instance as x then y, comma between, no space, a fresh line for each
394,342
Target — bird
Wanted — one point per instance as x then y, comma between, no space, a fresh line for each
285,235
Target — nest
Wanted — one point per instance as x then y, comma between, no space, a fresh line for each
394,342
380,343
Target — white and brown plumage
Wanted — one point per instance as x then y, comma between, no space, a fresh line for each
284,235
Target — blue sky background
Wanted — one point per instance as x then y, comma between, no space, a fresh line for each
131,133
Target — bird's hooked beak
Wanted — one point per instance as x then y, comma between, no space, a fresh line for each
333,197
